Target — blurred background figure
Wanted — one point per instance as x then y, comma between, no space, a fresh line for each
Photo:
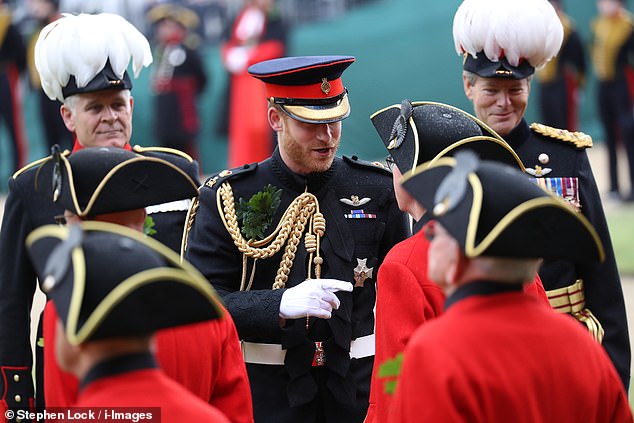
257,34
561,79
54,131
612,46
12,64
179,77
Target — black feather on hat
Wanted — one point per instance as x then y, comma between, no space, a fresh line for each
422,131
492,209
110,281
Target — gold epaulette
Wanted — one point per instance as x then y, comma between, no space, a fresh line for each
579,139
139,149
36,163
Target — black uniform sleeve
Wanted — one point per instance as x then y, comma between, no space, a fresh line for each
17,287
211,249
14,49
574,56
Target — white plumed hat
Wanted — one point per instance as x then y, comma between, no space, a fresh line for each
506,38
85,53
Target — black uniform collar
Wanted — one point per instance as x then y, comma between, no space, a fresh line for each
297,182
418,225
481,288
518,135
118,365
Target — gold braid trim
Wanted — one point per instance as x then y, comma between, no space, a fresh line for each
571,300
304,210
189,222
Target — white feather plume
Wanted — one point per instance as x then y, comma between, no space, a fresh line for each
80,45
515,29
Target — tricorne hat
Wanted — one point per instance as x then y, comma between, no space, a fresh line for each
84,53
493,209
110,281
307,88
506,38
422,131
100,180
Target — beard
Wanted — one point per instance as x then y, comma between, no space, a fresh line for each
302,158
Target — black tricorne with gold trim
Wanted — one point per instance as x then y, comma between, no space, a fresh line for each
417,132
149,288
362,222
462,193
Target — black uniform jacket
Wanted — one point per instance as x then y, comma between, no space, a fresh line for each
25,210
347,241
603,292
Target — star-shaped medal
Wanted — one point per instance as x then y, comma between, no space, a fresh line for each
362,272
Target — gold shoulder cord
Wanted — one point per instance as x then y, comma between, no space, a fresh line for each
189,221
302,211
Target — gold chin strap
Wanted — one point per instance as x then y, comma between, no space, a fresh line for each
303,211
571,300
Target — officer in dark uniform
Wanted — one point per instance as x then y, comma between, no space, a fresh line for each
12,65
108,315
612,50
560,80
106,122
267,234
178,79
555,158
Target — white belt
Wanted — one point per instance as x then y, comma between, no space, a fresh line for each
273,354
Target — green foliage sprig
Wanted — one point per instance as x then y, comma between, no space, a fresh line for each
256,214
390,370
148,226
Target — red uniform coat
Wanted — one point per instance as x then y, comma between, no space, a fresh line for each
205,358
406,299
147,387
503,357
250,136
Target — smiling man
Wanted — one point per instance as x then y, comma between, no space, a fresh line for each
267,235
499,61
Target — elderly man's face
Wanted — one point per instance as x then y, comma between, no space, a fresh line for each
498,102
101,118
305,147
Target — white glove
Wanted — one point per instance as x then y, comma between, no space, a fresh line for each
237,59
314,297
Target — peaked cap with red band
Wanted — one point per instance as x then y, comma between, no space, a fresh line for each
307,88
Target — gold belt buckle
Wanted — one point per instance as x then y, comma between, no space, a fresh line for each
319,358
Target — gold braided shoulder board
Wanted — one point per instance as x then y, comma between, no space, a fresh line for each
578,139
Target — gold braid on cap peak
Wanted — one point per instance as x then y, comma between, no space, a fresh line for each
579,139
304,210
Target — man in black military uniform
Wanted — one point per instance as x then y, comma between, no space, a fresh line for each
267,233
179,77
561,79
612,50
556,158
98,110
